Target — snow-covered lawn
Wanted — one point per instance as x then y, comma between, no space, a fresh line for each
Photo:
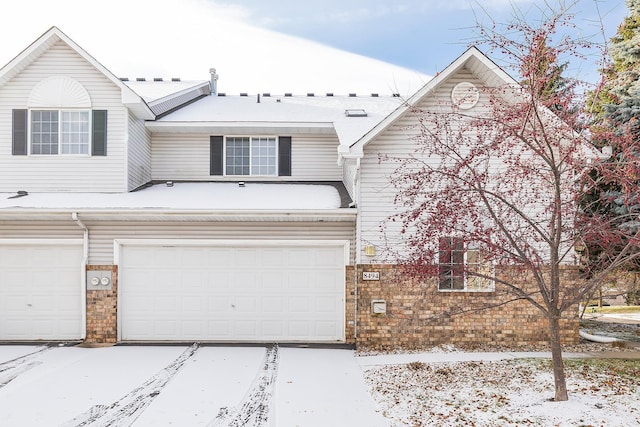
514,392
270,386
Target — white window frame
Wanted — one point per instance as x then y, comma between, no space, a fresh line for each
61,143
252,138
467,287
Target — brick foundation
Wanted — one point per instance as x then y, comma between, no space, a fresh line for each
102,310
418,315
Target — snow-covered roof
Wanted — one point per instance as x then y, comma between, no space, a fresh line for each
211,196
154,90
292,112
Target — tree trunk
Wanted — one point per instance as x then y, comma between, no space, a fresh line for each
556,357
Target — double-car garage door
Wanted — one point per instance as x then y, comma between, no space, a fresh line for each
40,290
233,291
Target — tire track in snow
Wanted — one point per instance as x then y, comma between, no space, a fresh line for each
253,410
124,411
11,369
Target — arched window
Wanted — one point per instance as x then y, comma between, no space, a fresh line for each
59,120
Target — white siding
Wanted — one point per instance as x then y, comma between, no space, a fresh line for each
40,230
102,235
58,172
139,157
186,157
376,194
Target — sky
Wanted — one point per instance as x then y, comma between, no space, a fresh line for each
286,45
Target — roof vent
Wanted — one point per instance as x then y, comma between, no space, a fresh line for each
355,112
222,94
213,84
124,79
288,94
141,79
175,79
352,95
329,94
310,94
243,94
396,95
266,94
157,79
374,95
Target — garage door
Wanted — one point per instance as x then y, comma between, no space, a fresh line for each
40,290
236,292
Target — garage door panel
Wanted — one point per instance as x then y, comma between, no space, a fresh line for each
273,292
40,290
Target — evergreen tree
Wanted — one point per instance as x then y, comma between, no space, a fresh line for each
617,102
615,107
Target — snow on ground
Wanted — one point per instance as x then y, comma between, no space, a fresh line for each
257,386
512,392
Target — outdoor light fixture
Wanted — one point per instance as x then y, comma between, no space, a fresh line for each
370,250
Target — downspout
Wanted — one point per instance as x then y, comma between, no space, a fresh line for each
83,277
356,197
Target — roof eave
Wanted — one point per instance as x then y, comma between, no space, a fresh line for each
428,88
129,98
195,215
250,127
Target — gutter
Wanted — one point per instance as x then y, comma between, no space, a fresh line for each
338,214
83,277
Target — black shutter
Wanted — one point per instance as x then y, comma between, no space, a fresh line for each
216,147
284,156
99,135
19,132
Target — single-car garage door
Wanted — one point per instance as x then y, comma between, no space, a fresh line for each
251,292
40,290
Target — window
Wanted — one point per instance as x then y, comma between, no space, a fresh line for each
462,269
450,263
251,156
246,156
59,132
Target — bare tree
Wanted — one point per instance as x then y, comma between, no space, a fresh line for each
502,183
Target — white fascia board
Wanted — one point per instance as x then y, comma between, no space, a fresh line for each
241,127
129,98
329,215
428,88
28,55
199,85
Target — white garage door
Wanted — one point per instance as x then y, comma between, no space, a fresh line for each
40,290
235,292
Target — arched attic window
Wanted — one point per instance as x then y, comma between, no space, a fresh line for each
59,120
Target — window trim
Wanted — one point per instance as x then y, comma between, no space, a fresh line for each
60,112
251,138
464,267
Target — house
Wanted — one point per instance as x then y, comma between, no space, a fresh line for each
148,211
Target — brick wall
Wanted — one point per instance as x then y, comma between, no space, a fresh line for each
102,310
420,316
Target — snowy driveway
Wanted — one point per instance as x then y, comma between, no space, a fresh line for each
182,386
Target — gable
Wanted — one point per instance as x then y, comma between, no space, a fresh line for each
55,40
472,60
